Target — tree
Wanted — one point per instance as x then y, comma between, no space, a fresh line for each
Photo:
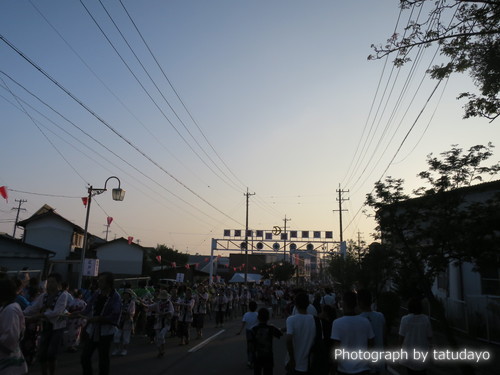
344,270
167,256
377,268
278,271
468,33
441,225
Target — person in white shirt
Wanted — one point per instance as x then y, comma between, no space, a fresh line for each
415,333
50,308
12,327
329,298
377,321
352,333
122,335
162,310
249,320
300,335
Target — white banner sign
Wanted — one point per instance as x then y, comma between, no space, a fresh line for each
91,267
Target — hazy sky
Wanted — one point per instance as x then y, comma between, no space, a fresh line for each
277,96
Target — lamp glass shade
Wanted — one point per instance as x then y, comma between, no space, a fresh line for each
118,194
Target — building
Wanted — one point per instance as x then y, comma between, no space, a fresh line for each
16,255
120,257
48,230
467,221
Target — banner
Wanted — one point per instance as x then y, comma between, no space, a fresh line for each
110,219
84,201
130,239
179,277
158,258
90,267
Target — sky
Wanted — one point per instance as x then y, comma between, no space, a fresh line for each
192,104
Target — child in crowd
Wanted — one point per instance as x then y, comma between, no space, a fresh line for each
125,324
262,343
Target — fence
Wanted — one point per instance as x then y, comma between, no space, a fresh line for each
478,316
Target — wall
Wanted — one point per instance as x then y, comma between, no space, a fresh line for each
120,258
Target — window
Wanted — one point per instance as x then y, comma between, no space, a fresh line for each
77,240
490,281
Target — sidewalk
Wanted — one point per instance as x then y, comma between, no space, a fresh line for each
443,367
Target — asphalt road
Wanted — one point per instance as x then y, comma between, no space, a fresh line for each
220,351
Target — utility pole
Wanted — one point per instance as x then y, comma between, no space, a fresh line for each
340,200
359,246
246,237
106,231
21,201
284,239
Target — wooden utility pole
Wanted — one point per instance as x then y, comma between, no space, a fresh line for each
247,194
21,201
340,200
285,220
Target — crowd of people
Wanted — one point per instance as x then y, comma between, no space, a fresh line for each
36,322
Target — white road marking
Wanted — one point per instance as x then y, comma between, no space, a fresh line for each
203,343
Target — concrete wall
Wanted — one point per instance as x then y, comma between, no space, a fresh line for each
120,258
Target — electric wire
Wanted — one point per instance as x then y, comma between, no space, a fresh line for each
106,124
42,132
106,148
149,95
89,68
178,96
351,172
165,99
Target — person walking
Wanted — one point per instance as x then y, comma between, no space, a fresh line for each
102,313
75,326
249,320
352,333
200,310
220,308
12,327
415,333
49,308
261,337
162,310
300,335
125,324
186,305
377,321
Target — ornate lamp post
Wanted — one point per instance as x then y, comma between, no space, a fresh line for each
118,194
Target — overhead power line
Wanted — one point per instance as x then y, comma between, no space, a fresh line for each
102,121
177,94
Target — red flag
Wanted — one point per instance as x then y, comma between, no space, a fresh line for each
207,259
110,219
234,269
196,266
85,200
4,193
130,239
254,268
158,258
187,266
173,264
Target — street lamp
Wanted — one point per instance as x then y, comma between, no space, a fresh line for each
118,194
